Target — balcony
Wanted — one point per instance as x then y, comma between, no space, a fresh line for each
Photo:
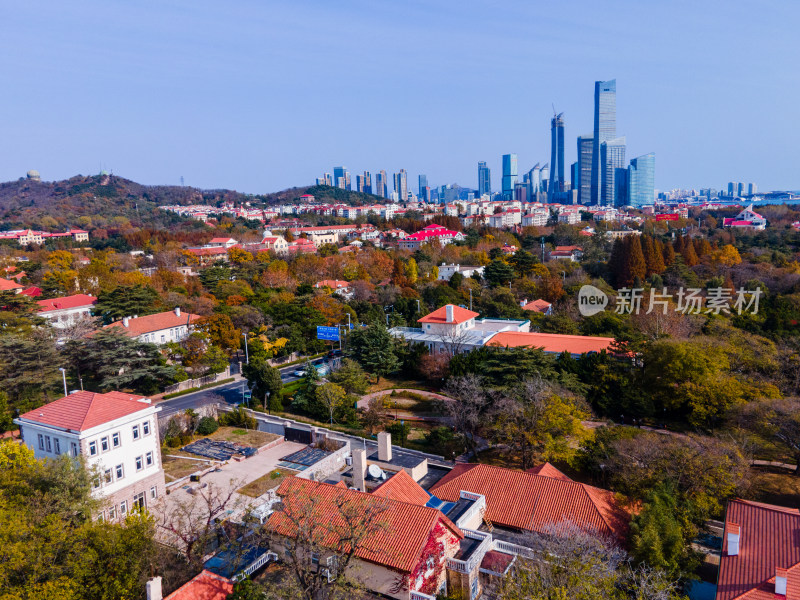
474,545
420,596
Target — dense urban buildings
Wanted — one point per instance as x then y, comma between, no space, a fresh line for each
341,178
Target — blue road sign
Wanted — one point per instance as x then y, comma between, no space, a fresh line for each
327,333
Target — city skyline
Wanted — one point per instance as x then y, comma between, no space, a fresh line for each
675,97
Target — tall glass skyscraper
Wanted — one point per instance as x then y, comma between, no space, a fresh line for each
401,185
556,156
484,179
422,182
341,178
509,174
605,129
642,180
612,156
381,184
584,181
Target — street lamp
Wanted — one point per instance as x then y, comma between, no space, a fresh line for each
64,378
246,353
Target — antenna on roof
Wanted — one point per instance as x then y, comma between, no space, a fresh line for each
554,109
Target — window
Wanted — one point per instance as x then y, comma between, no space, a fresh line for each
123,509
112,513
162,338
146,428
101,516
139,463
92,448
57,445
474,588
115,439
104,444
41,442
135,432
108,476
154,492
120,472
315,558
149,459
48,446
95,483
138,500
73,448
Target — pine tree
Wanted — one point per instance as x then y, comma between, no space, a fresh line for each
657,266
677,245
669,254
648,249
635,266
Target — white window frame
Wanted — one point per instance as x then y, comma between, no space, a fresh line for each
135,430
48,444
74,447
119,471
154,492
108,476
123,508
139,463
148,458
41,441
112,512
146,428
105,445
93,448
116,440
57,445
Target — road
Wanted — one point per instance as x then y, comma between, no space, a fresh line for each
230,392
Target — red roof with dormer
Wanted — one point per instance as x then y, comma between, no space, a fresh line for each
84,410
7,286
204,586
768,540
65,302
460,315
432,231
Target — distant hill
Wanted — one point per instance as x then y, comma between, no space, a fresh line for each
323,193
96,202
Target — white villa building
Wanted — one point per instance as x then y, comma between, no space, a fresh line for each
160,328
116,433
65,312
446,271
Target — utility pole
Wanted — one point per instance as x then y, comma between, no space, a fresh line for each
470,298
246,352
542,249
64,378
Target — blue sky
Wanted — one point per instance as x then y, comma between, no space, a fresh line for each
263,95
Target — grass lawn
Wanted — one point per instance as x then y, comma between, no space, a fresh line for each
775,486
263,484
249,437
388,383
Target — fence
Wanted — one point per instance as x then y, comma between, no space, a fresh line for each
193,383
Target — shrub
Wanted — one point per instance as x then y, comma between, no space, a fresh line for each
238,417
173,441
207,426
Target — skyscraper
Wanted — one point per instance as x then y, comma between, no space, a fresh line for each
484,179
381,184
751,189
422,181
612,156
642,180
573,176
341,178
360,183
364,183
509,175
583,183
401,185
620,186
556,184
544,176
605,129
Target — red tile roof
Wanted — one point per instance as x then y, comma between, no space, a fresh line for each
460,315
73,301
334,284
548,470
497,562
768,539
84,410
401,529
6,285
551,342
205,586
401,486
531,502
32,291
156,322
537,305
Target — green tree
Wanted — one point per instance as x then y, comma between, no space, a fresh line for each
351,377
498,272
262,379
127,301
329,399
373,348
523,262
220,331
110,360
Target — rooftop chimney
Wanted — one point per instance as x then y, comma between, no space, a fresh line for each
177,311
385,445
449,313
522,303
733,530
359,469
153,589
125,321
780,580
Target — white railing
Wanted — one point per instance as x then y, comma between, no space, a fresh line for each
510,548
467,566
255,565
420,596
479,504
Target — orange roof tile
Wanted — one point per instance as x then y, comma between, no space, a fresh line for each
551,342
6,285
401,486
548,470
204,586
156,322
401,529
537,305
532,502
460,315
84,410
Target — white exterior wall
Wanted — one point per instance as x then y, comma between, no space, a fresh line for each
65,317
163,336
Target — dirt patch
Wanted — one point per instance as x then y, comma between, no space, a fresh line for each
175,468
249,437
775,486
267,482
